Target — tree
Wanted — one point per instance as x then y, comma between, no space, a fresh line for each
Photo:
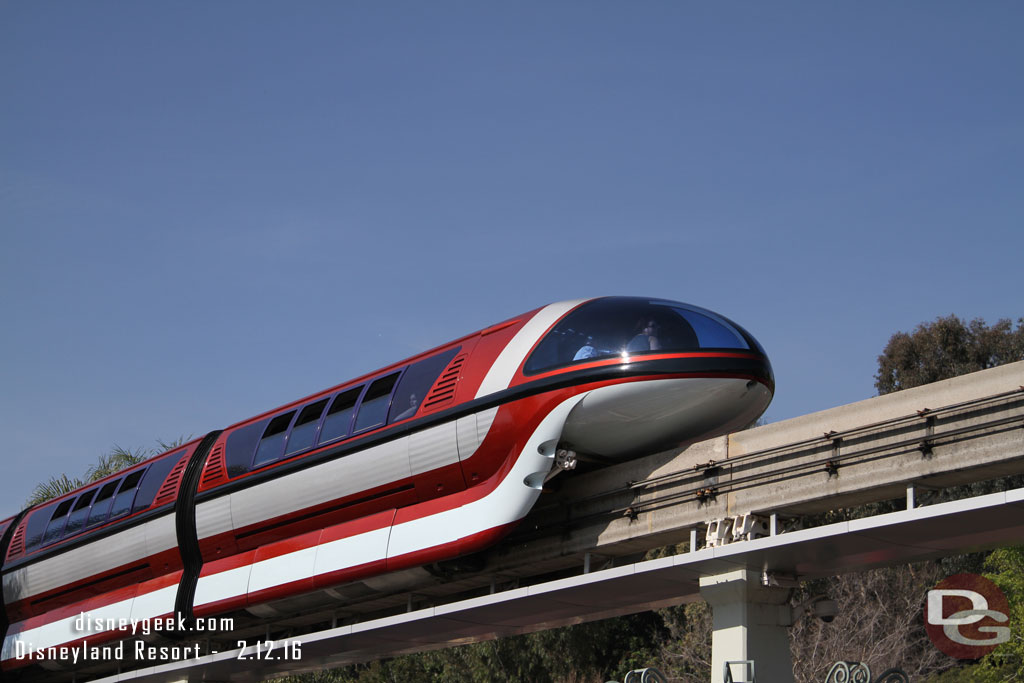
879,622
946,348
939,350
1007,572
116,460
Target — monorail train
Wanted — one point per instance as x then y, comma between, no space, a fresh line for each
338,495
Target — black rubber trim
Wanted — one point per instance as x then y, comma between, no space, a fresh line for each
185,527
5,543
722,366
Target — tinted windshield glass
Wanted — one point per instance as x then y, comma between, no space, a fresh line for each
617,326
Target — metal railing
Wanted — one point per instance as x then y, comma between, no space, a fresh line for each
860,672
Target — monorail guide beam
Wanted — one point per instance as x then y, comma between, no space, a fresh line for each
738,568
961,430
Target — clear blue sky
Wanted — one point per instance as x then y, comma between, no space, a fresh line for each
209,209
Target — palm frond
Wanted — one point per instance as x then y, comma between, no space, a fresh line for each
56,486
117,459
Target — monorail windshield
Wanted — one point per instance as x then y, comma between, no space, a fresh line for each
627,326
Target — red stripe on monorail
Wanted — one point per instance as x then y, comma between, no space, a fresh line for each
97,602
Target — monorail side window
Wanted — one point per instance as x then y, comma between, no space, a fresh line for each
126,494
101,506
241,445
56,526
339,417
272,444
416,382
373,410
36,525
154,479
303,434
79,513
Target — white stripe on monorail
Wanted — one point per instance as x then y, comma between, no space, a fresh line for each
508,502
899,537
511,357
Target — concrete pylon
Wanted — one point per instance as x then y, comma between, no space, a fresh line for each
751,622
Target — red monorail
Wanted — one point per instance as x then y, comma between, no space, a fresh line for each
357,489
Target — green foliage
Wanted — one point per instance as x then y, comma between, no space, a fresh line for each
946,348
116,460
55,487
1006,566
984,672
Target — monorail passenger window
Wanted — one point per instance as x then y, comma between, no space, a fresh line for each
101,506
36,525
339,416
373,410
56,526
272,444
303,434
154,479
240,447
416,382
79,513
126,494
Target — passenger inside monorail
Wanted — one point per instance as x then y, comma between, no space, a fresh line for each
627,326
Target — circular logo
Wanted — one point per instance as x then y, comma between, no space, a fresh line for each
966,616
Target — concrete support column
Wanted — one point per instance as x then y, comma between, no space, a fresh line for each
751,622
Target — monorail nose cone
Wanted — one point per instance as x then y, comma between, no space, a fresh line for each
633,419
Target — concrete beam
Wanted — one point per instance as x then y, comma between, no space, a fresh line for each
960,430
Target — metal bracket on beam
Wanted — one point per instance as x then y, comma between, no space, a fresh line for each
832,464
413,599
589,564
719,532
705,494
748,527
501,583
777,580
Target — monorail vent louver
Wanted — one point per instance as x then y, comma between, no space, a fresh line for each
169,491
214,471
17,547
444,389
